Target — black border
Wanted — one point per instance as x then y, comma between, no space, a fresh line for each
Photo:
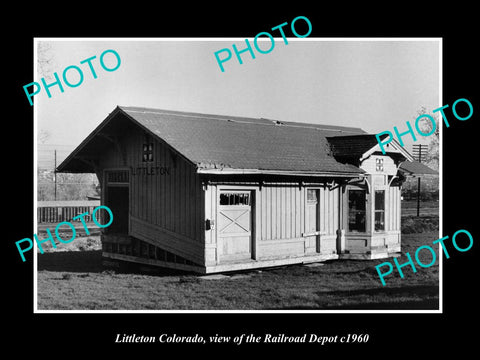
88,333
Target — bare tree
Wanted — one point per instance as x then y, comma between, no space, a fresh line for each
44,60
426,126
43,136
433,157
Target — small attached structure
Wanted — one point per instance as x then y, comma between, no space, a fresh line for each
212,193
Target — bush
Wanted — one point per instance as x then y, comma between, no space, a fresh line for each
429,188
413,224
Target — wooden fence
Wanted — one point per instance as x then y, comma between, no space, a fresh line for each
58,211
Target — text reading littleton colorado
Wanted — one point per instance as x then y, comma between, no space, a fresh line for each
244,338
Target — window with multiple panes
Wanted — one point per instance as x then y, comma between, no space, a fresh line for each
379,210
147,155
356,210
379,164
235,198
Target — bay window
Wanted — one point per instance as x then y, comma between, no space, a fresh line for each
356,210
379,210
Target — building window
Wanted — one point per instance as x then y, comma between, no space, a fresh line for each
356,210
120,177
379,210
234,199
312,195
379,164
147,155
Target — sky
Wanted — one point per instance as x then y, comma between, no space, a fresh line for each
373,84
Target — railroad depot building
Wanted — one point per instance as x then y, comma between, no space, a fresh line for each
211,193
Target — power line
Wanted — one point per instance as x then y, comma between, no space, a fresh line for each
420,152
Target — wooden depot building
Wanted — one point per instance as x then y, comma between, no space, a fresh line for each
211,193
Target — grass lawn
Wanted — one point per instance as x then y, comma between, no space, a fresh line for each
75,280
427,208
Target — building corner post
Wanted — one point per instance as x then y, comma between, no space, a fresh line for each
340,241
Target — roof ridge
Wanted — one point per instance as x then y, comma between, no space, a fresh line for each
242,119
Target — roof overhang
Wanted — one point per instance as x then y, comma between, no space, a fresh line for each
83,159
79,161
225,171
393,149
416,169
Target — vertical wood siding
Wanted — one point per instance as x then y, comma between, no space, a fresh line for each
282,209
279,214
211,211
172,199
169,200
393,209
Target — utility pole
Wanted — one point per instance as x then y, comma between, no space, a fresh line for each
418,196
417,153
55,173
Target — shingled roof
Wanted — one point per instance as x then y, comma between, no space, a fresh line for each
416,168
234,143
352,146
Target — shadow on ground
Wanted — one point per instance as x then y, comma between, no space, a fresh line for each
93,262
428,299
73,261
